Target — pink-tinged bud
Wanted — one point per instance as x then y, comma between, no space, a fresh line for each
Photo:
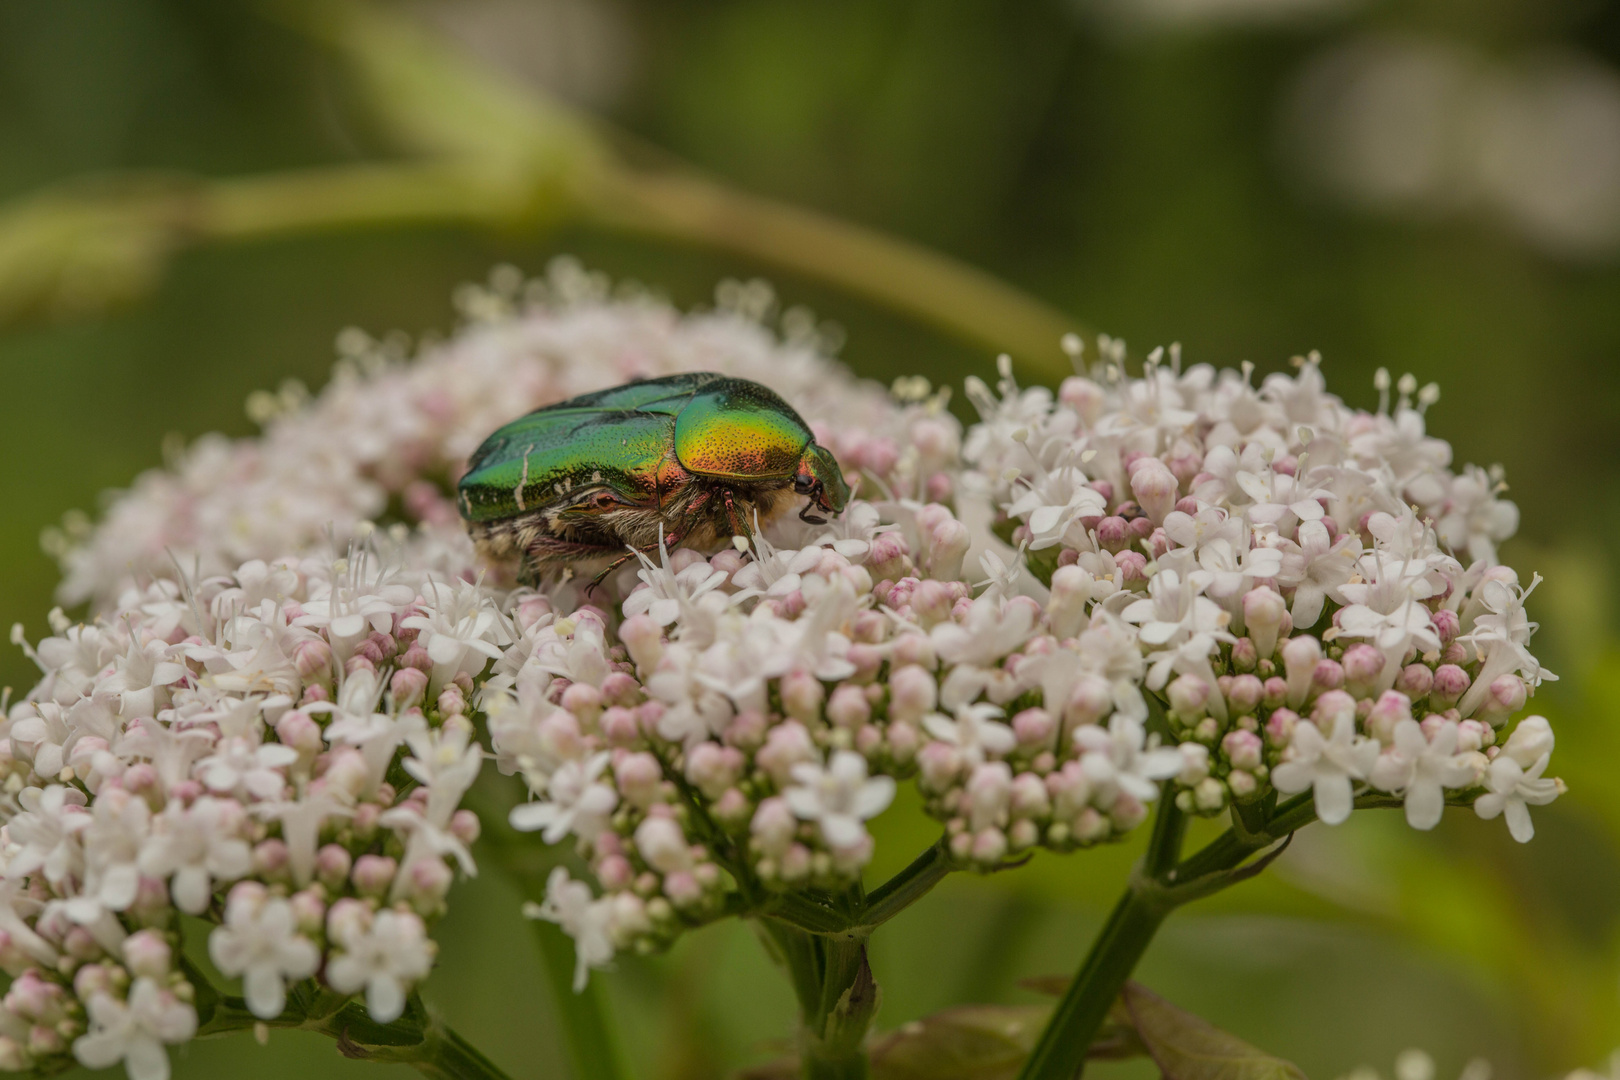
1329,675
1280,726
1127,813
269,860
1263,613
1390,709
644,640
663,845
1447,625
369,651
1244,656
620,688
1090,699
712,768
374,874
1243,749
932,601
1084,398
452,702
615,873
947,546
868,661
1245,693
332,866
648,716
1242,784
802,696
1276,692
147,954
848,708
1194,763
1189,506
1189,697
92,979
417,657
787,745
682,889
427,882
1114,533
747,730
938,764
989,846
358,665
888,554
1506,696
619,726
913,693
311,657
1450,683
1132,566
913,649
309,910
638,777
583,700
1155,487
1029,798
773,826
464,826
314,692
1362,665
1329,706
1415,681
1034,727
1455,653
408,685
531,609
1300,657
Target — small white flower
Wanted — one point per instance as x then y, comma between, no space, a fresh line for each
1514,782
1327,765
839,797
198,846
575,802
1422,769
1123,757
386,959
571,905
260,942
975,732
666,591
134,1030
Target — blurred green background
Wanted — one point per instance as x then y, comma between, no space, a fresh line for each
1430,186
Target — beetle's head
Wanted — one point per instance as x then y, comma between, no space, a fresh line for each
820,478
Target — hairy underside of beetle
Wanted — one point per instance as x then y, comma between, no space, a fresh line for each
587,536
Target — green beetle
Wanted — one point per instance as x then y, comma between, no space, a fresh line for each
692,457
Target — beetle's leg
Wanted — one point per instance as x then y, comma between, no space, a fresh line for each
669,540
739,527
806,515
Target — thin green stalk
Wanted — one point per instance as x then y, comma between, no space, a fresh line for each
583,1016
906,887
837,998
1061,1052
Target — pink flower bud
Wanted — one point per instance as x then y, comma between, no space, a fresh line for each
932,601
427,882
408,685
583,700
989,846
374,874
638,777
938,763
1132,566
1244,695
1329,675
802,695
746,731
619,726
712,768
147,954
948,544
464,826
1362,666
332,865
1415,681
1189,697
1280,726
452,702
1155,487
1243,749
913,693
1029,798
1450,683
1389,710
1506,696
1328,707
311,657
644,640
1447,625
1276,692
1088,702
1114,533
1034,727
416,657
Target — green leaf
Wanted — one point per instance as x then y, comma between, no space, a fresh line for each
1185,1047
969,1042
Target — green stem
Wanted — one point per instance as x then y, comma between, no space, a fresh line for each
582,1016
906,887
837,998
1061,1052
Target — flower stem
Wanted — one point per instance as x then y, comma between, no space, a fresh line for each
837,998
1061,1052
583,1016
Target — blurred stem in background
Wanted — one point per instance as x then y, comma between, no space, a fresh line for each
485,152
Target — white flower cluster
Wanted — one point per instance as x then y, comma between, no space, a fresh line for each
1190,584
280,750
1312,593
387,431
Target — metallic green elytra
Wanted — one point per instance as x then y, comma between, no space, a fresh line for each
697,456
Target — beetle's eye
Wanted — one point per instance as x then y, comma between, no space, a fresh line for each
605,501
804,483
